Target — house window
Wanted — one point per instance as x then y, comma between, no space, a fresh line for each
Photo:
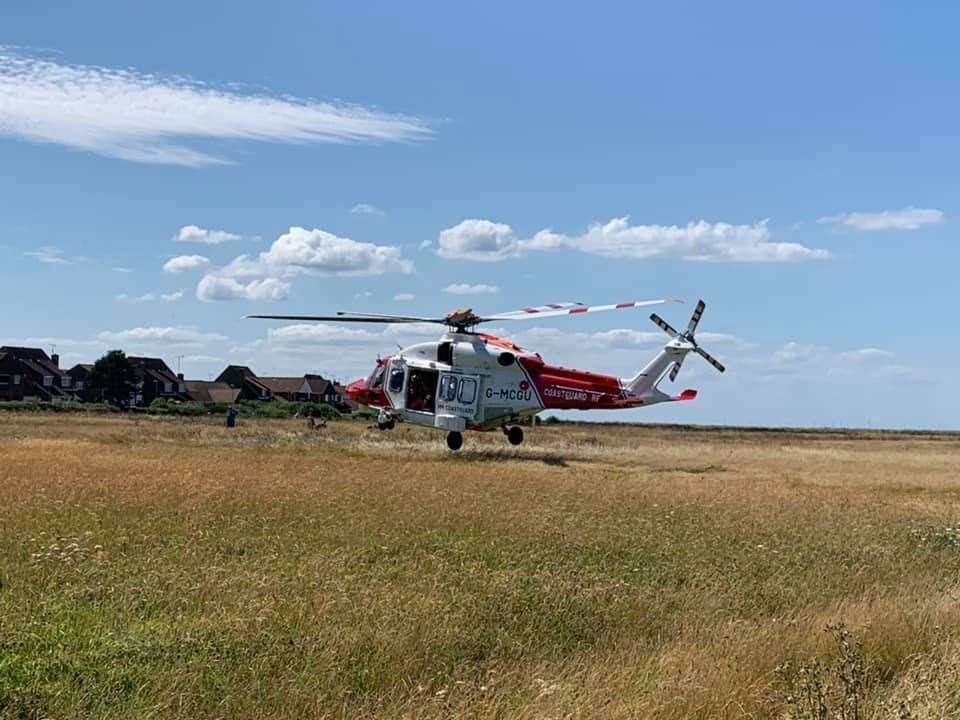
16,379
79,384
4,379
67,381
168,387
48,380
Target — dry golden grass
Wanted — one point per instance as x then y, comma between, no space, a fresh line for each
172,568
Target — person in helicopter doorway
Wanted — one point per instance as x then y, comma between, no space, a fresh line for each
420,393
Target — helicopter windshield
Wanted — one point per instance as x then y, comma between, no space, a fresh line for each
376,377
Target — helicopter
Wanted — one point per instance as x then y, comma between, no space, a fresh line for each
470,380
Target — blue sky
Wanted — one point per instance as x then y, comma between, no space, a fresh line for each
796,167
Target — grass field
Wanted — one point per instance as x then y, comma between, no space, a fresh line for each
161,568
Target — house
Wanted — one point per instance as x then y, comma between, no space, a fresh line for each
40,374
80,381
11,378
327,390
294,389
156,380
242,378
210,393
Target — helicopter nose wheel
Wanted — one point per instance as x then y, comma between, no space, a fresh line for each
515,435
454,440
386,425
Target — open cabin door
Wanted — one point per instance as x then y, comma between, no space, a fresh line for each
396,383
457,400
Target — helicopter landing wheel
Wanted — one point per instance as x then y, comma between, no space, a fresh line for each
454,440
386,425
515,435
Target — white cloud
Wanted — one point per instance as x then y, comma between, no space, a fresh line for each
482,240
479,240
298,252
153,119
695,241
172,297
909,218
404,297
321,252
185,263
216,288
366,209
124,270
49,256
179,337
466,289
194,234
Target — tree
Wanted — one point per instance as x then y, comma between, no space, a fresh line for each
113,379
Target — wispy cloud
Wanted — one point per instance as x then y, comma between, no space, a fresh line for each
404,297
909,218
150,297
195,234
467,289
49,255
486,241
150,118
122,269
175,337
366,209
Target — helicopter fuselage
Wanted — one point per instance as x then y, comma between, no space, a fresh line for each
479,382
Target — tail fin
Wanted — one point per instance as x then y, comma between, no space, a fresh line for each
669,359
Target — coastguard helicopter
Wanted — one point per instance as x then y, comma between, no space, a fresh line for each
469,380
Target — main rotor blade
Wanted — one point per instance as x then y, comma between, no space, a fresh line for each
539,309
545,311
663,325
358,318
695,318
709,358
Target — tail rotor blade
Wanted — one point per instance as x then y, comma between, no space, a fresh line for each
675,370
695,318
663,325
710,359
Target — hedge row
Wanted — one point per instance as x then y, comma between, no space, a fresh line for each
248,408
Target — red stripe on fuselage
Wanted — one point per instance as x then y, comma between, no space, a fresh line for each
567,389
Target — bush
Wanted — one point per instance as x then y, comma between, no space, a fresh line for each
162,406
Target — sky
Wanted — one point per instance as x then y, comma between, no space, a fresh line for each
166,169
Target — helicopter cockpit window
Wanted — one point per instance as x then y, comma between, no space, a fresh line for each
376,377
396,379
468,390
448,388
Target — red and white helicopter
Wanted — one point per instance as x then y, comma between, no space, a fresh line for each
469,380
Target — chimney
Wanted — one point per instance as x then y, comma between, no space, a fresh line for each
55,359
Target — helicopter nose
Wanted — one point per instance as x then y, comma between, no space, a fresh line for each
357,391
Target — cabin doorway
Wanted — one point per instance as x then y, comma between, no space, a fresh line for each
422,390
